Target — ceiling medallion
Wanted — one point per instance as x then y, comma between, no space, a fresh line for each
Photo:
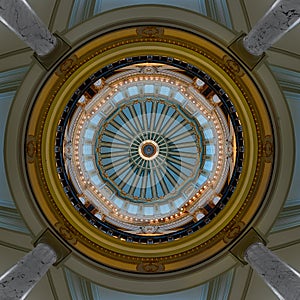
147,152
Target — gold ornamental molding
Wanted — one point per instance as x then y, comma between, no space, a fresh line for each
188,251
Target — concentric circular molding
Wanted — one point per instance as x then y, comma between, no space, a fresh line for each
221,76
185,178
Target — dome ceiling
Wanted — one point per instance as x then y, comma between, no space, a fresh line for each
179,182
125,150
145,142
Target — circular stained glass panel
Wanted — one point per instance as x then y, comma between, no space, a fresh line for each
149,150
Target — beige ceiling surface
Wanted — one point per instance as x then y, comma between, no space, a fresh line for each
246,285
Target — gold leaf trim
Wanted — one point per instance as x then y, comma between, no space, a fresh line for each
66,65
233,232
31,148
150,31
66,233
268,148
150,267
232,66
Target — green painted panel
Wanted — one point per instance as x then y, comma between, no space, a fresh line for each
81,11
288,218
220,286
218,10
11,220
289,80
11,79
78,286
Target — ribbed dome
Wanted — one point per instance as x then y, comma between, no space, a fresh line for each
147,144
161,146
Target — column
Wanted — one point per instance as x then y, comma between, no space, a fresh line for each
18,281
23,21
282,279
282,16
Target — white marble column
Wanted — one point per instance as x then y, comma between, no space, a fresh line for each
280,277
23,21
282,16
18,281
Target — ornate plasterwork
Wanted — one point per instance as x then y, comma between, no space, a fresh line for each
154,107
242,199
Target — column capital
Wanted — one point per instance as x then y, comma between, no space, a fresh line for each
238,48
61,48
47,237
249,238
